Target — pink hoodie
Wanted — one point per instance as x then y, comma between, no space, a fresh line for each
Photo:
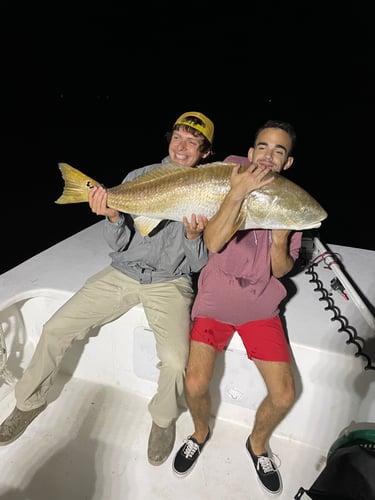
236,285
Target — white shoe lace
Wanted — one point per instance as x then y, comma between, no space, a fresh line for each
191,449
267,464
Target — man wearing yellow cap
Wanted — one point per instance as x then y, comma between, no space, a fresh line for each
197,121
155,271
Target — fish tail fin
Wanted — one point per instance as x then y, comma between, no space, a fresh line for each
77,185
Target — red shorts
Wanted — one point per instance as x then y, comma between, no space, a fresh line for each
263,339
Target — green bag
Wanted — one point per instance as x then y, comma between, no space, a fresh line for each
350,470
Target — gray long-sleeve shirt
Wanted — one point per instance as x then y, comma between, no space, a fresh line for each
164,256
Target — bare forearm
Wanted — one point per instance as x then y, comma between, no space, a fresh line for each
281,261
223,224
220,227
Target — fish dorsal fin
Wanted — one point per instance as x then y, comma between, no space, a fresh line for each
166,169
145,224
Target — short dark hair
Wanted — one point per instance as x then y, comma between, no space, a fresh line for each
287,127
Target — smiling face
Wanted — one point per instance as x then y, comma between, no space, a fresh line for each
271,149
185,148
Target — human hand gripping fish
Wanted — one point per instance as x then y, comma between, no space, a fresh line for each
232,212
97,198
196,225
242,183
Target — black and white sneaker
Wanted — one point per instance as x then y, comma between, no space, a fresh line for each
266,469
187,455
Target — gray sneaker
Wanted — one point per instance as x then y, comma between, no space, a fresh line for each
160,443
17,422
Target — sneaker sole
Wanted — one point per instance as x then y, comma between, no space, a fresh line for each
184,474
4,443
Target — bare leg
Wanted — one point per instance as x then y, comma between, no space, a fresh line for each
280,397
197,380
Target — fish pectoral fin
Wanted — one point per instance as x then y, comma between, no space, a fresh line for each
145,224
239,221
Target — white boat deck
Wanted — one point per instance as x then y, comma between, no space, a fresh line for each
91,441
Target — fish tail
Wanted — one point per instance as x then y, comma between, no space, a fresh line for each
77,185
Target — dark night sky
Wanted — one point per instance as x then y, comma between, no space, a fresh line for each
99,88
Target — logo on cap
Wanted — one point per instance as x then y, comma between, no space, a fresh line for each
199,122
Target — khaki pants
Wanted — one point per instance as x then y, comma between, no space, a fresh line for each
103,298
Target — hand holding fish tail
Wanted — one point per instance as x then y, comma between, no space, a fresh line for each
97,198
195,227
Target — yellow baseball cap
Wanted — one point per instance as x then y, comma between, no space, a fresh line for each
198,121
